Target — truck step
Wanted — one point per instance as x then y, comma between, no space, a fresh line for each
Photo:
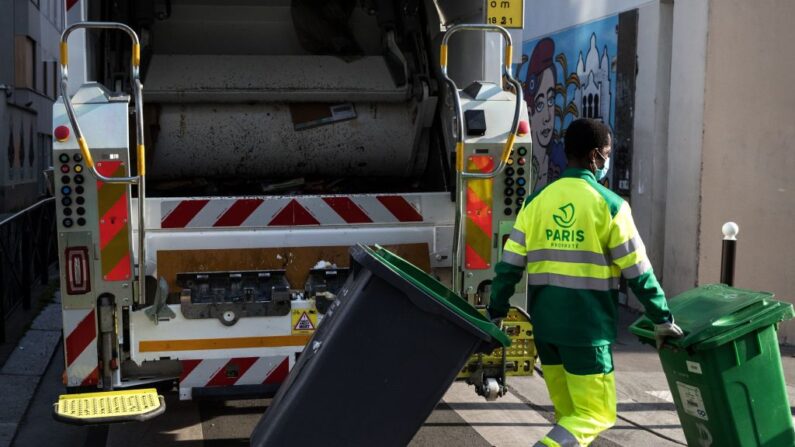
109,406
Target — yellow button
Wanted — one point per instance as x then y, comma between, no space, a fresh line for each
510,161
78,168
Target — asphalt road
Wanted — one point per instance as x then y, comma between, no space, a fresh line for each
195,423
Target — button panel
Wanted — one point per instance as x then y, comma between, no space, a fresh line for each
71,169
515,181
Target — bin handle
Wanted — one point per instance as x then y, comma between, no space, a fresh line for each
363,256
644,332
649,333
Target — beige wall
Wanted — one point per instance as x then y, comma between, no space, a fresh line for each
685,137
748,153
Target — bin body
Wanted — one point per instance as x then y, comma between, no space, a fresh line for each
383,356
725,375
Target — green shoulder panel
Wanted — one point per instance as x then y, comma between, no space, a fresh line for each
614,201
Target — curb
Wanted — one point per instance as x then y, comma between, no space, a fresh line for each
22,372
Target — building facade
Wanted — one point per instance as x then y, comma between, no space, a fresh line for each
29,84
705,136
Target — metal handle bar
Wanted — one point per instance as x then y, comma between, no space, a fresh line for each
506,69
137,88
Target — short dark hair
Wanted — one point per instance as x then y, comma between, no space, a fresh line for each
585,134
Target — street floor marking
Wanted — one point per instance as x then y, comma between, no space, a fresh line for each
506,422
664,395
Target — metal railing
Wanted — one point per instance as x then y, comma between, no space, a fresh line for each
28,247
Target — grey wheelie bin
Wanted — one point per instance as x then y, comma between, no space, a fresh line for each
385,352
725,374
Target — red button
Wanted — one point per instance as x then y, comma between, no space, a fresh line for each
523,129
64,168
521,161
61,133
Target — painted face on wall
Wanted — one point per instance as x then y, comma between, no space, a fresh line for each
542,116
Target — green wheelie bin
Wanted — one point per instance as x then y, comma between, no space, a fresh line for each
725,374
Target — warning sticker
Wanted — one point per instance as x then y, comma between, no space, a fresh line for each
506,13
692,401
304,321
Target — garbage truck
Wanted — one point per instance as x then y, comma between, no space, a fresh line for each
215,160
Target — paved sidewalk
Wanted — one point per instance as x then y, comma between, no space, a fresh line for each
22,372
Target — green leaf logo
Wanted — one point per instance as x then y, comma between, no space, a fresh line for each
567,219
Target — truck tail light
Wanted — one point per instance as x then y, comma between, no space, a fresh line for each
78,280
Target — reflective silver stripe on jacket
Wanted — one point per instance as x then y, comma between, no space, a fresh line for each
580,256
518,237
630,246
636,270
513,258
572,282
562,437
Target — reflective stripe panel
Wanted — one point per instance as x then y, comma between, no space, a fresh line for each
562,437
636,270
114,223
586,257
518,237
478,223
630,246
630,259
572,282
575,269
513,258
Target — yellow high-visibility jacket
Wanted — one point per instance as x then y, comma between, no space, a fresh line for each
575,238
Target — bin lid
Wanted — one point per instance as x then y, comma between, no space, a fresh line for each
439,292
717,313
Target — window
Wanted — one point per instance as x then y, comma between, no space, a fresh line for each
55,73
24,62
44,73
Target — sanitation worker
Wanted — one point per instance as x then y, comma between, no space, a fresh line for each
573,239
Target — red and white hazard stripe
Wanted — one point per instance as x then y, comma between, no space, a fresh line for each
80,345
289,211
232,372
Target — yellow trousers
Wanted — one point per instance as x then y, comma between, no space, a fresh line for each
585,405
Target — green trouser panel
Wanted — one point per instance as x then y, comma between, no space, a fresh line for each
583,390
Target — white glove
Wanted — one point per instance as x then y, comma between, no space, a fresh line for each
665,330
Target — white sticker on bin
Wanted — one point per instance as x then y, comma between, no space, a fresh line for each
693,367
691,400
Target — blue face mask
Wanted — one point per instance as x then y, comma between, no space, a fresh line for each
602,173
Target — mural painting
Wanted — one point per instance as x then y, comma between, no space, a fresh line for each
567,75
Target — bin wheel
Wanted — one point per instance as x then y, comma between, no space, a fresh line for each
491,390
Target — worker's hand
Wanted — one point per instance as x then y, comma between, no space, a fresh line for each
665,330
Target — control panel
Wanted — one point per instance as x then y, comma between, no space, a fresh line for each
93,217
491,204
